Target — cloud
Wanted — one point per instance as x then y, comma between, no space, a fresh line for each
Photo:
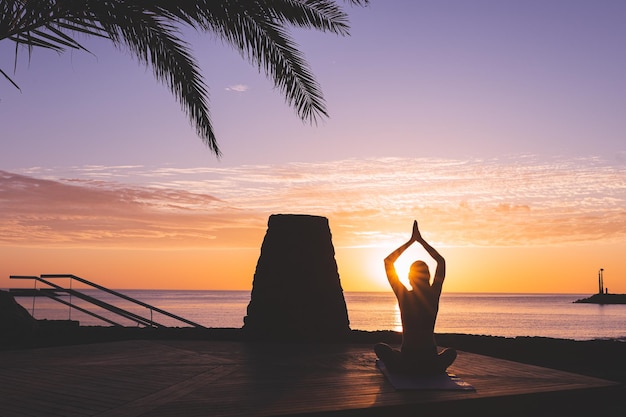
78,211
521,200
239,88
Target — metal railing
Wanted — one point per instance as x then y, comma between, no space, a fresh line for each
54,291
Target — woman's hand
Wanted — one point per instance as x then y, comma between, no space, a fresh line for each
416,236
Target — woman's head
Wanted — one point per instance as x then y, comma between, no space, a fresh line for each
419,273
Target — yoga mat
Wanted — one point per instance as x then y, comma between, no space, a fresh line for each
443,382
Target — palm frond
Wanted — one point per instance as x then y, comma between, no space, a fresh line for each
324,15
265,42
258,29
10,80
154,41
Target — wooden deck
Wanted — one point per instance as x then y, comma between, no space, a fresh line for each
223,378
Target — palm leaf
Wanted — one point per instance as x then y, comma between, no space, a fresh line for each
10,80
251,29
323,15
153,40
150,30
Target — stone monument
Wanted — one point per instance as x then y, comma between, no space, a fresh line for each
296,292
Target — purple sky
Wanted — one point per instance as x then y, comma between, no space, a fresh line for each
477,111
415,79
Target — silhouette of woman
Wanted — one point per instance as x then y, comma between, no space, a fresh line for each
418,310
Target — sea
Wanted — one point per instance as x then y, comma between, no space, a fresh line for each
492,314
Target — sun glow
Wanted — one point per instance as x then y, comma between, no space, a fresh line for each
368,265
403,264
397,320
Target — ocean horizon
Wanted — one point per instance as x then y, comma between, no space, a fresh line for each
491,314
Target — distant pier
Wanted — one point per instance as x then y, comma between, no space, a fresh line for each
604,299
603,296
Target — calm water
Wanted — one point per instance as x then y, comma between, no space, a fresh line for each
509,315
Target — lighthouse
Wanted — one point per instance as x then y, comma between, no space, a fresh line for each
600,282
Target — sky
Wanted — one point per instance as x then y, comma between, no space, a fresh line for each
498,125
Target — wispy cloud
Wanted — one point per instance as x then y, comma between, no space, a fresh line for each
239,88
516,201
83,211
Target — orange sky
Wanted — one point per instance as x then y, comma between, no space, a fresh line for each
523,225
540,269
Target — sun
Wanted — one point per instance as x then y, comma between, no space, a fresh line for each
362,268
404,262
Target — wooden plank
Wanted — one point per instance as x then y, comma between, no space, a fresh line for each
149,402
199,378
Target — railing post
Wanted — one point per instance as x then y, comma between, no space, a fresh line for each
32,313
70,308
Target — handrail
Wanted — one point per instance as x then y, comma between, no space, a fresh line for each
84,310
52,294
100,287
114,309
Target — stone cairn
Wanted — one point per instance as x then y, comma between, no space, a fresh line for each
296,292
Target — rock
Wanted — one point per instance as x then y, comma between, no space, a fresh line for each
13,316
604,298
296,292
